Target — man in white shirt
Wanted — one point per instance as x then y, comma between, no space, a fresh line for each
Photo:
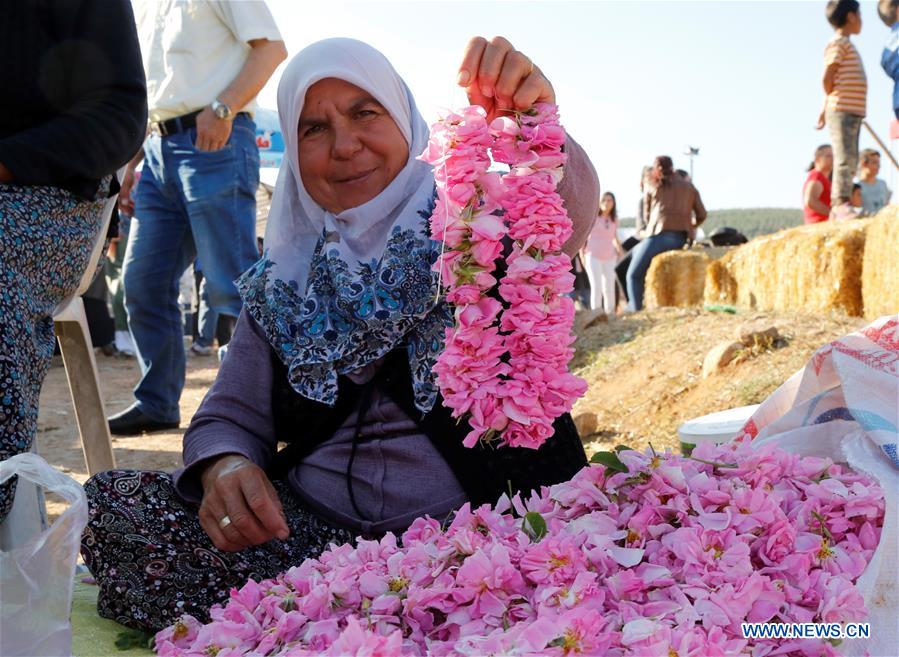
205,61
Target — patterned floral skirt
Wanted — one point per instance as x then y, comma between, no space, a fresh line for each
154,562
46,237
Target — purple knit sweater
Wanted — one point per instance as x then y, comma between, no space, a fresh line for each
397,474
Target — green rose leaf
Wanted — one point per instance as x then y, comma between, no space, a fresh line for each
129,639
534,525
610,460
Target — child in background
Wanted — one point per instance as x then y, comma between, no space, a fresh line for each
602,252
856,201
874,191
846,90
889,14
816,188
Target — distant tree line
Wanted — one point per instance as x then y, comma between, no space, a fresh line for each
752,222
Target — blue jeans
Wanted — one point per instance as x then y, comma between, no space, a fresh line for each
189,203
642,255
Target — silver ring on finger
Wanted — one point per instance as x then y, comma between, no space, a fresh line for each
224,522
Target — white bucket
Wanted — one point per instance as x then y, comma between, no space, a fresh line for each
720,427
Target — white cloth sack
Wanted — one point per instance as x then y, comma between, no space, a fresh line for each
36,579
844,405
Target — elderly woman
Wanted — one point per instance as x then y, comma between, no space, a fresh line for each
333,356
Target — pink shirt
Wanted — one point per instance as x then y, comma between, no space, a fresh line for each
600,244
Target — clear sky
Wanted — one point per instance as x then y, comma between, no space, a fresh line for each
739,80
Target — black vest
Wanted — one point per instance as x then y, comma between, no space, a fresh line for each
484,472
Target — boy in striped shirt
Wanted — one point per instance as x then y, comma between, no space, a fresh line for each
889,14
846,90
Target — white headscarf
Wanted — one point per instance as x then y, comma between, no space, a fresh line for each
334,292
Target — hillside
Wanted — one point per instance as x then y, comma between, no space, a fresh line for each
644,371
752,222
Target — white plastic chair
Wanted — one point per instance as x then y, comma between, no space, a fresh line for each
70,324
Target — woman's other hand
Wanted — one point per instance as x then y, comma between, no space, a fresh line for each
497,77
237,489
126,199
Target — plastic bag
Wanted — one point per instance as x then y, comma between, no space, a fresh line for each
36,579
844,405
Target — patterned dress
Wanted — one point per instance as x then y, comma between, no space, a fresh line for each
154,562
46,238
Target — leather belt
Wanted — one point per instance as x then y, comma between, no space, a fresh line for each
179,124
175,125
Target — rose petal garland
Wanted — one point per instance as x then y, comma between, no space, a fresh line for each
537,322
666,558
505,365
469,369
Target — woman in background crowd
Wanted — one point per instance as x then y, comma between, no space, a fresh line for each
670,205
601,254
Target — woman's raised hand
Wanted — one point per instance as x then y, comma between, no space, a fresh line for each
497,77
240,507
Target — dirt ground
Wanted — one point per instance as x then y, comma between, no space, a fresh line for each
643,370
57,437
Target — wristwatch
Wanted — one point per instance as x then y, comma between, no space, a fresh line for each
221,110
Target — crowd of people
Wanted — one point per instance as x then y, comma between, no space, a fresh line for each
326,353
668,217
842,183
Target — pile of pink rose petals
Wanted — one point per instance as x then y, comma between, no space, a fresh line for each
640,554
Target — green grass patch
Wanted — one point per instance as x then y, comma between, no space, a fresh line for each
756,390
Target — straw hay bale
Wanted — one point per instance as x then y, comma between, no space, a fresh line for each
720,284
813,268
880,269
676,278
